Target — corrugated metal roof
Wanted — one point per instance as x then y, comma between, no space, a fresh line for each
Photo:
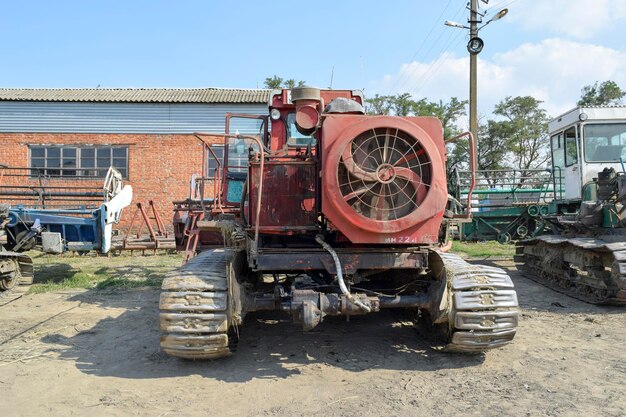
136,95
166,118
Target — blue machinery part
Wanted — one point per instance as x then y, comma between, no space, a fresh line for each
80,229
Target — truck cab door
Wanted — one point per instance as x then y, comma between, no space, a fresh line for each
572,172
557,146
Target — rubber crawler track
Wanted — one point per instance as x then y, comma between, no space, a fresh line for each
483,313
25,280
194,317
588,269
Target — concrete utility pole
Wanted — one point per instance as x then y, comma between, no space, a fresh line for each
473,93
474,47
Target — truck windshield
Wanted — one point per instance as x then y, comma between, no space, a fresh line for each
605,142
295,138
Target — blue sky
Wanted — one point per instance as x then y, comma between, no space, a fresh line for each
545,48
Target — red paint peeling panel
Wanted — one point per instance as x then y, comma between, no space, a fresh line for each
288,195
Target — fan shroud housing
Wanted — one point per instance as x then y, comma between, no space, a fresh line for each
384,178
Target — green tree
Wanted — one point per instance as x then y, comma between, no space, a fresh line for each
273,82
448,113
405,105
402,104
493,151
379,105
277,82
291,83
601,94
523,131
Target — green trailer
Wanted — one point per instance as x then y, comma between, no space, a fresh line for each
507,205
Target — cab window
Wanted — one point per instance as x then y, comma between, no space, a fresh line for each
238,154
605,142
558,151
295,138
571,153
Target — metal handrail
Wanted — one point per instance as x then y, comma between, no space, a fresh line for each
523,186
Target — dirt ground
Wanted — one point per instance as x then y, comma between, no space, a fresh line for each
97,353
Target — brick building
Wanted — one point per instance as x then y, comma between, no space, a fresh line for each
76,134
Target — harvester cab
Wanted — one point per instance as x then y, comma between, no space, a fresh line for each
322,210
584,142
584,255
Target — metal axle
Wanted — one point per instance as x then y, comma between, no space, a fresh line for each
309,307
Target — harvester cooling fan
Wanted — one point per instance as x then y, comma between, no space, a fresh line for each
384,174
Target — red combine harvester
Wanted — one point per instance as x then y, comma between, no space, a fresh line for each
328,212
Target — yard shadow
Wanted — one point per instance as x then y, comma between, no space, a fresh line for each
68,275
133,276
126,343
270,346
54,273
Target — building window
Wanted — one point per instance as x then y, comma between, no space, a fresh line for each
212,163
73,161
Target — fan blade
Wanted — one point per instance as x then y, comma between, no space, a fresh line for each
409,158
413,179
380,203
401,202
386,149
357,193
407,174
384,174
354,169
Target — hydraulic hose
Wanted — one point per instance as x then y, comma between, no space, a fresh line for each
342,285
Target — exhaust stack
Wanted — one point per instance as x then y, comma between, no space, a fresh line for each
307,101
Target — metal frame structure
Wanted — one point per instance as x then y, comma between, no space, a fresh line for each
157,238
33,188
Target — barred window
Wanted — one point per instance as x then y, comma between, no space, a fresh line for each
74,161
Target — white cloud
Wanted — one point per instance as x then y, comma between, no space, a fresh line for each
581,19
553,70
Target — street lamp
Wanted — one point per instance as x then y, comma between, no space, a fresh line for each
455,24
499,15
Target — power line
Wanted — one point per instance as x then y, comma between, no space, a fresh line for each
435,24
509,3
446,45
437,64
494,6
441,50
455,42
499,6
